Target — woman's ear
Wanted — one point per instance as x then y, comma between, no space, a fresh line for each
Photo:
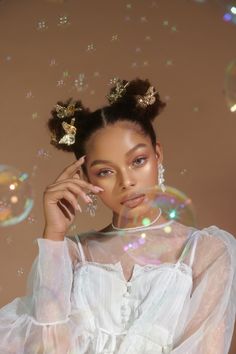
159,152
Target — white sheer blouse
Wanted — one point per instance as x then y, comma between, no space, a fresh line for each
82,298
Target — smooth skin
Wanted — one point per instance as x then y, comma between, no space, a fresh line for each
129,168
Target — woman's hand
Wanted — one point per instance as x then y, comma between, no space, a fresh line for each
60,200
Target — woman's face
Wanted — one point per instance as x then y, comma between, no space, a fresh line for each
122,161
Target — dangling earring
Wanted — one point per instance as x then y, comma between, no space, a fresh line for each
91,207
161,179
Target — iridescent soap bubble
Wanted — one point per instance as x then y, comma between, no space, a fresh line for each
16,199
146,245
174,204
230,86
229,8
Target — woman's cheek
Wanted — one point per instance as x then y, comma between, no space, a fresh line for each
148,170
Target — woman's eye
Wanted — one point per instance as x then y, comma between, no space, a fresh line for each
140,160
103,173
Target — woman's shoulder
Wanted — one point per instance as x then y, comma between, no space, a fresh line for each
215,232
214,242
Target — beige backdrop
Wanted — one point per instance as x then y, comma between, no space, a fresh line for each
183,47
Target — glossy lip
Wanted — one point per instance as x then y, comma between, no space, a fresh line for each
131,196
133,203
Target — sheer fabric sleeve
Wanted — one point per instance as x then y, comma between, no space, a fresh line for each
50,280
207,323
44,321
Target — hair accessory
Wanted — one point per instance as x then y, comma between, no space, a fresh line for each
120,89
65,112
147,99
70,129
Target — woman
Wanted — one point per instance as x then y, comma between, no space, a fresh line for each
158,287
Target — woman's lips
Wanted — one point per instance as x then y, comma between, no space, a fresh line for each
132,203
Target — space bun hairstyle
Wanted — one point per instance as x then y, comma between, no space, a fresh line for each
137,101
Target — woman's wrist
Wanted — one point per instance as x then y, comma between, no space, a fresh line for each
53,235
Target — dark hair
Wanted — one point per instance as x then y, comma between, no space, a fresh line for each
124,108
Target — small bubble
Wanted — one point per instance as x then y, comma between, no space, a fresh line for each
145,63
195,109
42,25
169,62
96,74
34,115
148,38
42,153
60,83
20,272
173,29
65,74
8,58
29,94
63,21
165,23
80,82
183,172
35,167
128,6
72,228
9,240
31,219
114,37
127,18
52,62
90,47
167,98
143,19
113,80
134,65
154,4
138,50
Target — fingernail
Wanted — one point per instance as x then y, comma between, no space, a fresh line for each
79,208
98,189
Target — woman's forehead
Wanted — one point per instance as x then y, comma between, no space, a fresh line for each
122,135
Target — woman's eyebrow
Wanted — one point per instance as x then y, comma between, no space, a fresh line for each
96,162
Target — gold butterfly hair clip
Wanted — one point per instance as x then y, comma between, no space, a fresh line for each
120,89
147,99
65,112
70,129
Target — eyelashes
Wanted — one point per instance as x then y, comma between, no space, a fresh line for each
143,160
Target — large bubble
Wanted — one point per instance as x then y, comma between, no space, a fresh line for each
229,9
145,224
173,205
16,199
230,86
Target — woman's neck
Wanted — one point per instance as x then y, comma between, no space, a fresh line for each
139,222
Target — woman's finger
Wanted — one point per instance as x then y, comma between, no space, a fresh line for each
70,170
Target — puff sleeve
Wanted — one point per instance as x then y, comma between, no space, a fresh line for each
42,321
207,322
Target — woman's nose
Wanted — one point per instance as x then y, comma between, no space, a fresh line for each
127,179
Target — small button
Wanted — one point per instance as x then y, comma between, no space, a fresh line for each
166,349
124,322
126,294
126,313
